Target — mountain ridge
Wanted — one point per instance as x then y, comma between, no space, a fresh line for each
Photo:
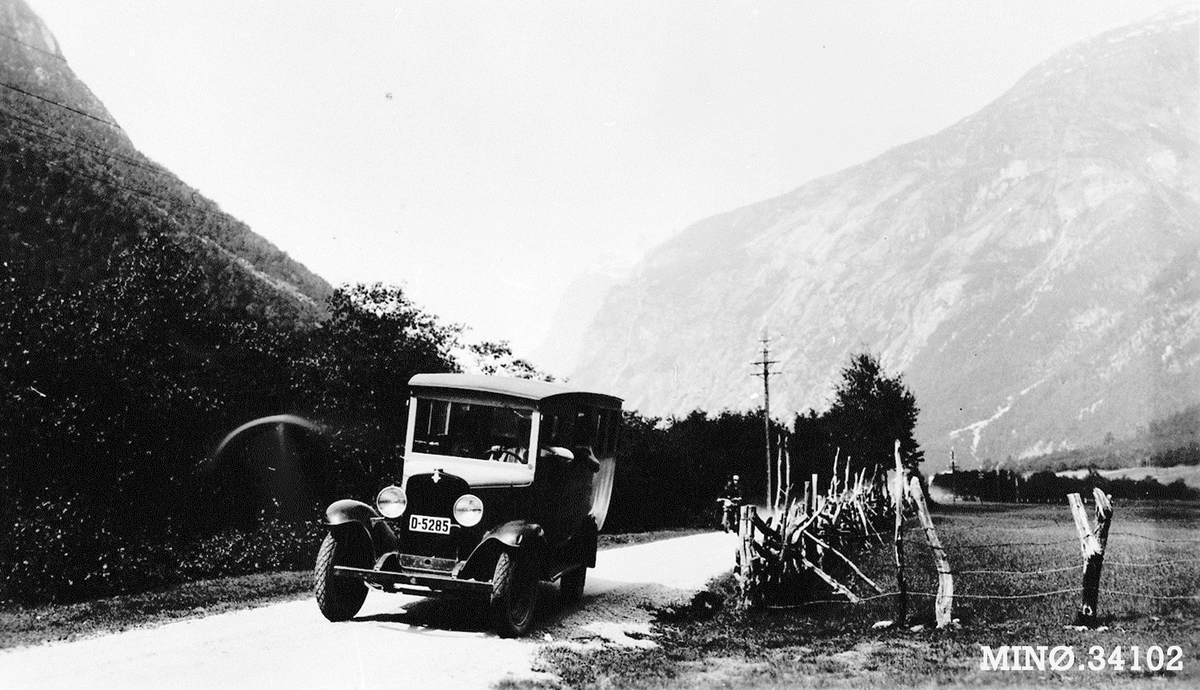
976,258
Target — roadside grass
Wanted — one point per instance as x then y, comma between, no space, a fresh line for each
708,643
22,626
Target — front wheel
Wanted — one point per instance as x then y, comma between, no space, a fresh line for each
514,593
339,598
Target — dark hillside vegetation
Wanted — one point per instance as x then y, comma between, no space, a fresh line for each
117,393
75,193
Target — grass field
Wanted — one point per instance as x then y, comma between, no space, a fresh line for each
1007,560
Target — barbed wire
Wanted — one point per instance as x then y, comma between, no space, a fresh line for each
1019,572
1150,564
952,546
1155,539
1005,597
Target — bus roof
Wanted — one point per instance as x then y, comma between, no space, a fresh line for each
527,389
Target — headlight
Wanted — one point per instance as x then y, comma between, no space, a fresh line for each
391,502
468,510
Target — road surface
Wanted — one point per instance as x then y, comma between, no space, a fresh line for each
396,641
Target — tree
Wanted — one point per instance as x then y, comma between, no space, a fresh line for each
871,410
374,340
497,359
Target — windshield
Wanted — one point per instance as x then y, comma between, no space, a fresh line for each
472,430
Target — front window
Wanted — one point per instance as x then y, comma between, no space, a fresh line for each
473,430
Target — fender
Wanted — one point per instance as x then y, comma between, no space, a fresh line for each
516,534
343,515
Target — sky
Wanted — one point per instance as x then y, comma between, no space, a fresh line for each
482,155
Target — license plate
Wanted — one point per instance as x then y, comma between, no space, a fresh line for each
424,523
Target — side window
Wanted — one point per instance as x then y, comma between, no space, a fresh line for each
550,431
587,426
608,432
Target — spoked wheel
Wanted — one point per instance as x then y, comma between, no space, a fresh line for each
571,585
339,598
514,593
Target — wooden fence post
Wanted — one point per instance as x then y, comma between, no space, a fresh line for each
944,603
746,557
901,588
1092,543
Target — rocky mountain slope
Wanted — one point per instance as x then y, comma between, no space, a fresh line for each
1031,270
75,193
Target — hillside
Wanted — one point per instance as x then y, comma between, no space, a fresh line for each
1031,270
75,193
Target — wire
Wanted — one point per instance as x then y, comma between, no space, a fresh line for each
1019,572
1150,564
1188,597
171,203
1004,597
60,105
1156,539
976,547
78,144
14,39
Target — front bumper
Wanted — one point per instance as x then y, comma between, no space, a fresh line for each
421,575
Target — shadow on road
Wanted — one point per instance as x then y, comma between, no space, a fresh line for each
463,614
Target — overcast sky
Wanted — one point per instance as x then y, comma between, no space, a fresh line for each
484,154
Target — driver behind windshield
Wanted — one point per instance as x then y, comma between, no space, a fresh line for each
510,437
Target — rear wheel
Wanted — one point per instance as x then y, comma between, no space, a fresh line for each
339,598
514,593
571,585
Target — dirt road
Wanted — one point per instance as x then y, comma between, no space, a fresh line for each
395,642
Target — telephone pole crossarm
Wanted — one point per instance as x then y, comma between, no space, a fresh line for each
766,375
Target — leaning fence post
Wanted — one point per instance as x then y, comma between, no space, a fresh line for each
945,591
1092,543
901,588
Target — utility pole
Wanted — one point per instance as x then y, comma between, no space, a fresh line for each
765,375
953,479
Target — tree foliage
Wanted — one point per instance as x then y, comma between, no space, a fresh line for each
116,393
870,412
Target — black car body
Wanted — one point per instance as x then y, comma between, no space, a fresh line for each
506,483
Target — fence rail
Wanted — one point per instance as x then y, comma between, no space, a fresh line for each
808,536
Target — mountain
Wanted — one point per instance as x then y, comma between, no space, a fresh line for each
75,194
1031,270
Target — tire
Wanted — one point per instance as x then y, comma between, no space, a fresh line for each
339,598
571,585
514,593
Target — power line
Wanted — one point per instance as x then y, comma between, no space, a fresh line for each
171,203
14,39
60,105
78,144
